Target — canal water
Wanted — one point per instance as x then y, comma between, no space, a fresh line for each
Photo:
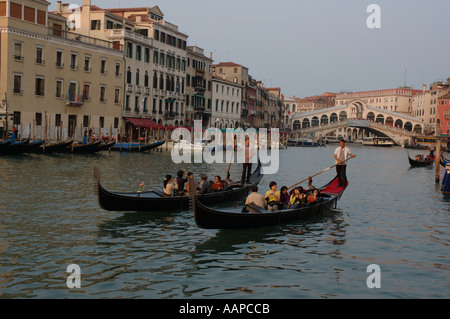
390,215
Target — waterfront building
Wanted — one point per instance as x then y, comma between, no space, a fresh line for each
198,87
289,110
248,113
275,107
425,105
396,100
443,115
260,106
316,102
238,74
54,81
155,58
227,98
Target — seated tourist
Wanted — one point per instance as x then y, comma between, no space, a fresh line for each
298,198
314,197
205,185
255,199
181,182
272,197
311,187
169,185
190,178
218,184
284,197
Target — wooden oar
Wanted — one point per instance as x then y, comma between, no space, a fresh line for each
327,169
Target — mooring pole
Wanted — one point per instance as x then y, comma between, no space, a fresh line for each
437,164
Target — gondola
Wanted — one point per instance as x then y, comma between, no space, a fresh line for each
135,147
48,148
84,148
33,147
106,146
415,163
156,201
4,145
14,148
238,217
444,161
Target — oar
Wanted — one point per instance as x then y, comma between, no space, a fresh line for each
327,169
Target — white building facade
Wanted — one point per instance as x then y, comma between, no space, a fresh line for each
226,106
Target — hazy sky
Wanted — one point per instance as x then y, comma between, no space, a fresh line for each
307,47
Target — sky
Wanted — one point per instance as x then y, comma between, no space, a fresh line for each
308,47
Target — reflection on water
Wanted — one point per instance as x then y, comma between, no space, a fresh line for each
390,215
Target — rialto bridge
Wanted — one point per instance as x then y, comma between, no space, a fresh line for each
356,120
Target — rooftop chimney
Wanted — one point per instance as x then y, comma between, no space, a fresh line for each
58,7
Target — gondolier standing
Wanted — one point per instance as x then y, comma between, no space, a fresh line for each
341,154
247,165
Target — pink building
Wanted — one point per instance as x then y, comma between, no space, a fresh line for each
443,115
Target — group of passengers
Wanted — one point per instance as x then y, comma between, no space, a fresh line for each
420,158
275,199
180,184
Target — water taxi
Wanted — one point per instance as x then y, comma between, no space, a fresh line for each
378,141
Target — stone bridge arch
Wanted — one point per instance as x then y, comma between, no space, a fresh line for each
358,110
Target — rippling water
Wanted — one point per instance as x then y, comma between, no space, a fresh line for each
390,215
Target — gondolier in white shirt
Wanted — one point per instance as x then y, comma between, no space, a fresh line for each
341,155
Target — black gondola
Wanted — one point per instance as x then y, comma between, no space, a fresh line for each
4,145
424,163
106,146
444,161
153,201
48,148
33,147
14,148
135,147
236,217
92,147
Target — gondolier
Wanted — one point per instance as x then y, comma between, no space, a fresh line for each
432,149
249,152
341,155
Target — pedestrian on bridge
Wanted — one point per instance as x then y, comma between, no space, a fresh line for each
341,155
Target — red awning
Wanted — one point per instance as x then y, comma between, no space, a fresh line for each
139,122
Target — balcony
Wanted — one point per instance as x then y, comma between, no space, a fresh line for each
199,89
130,88
117,34
74,103
147,91
18,58
202,110
84,39
138,89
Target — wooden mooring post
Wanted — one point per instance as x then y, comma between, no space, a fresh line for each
437,164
